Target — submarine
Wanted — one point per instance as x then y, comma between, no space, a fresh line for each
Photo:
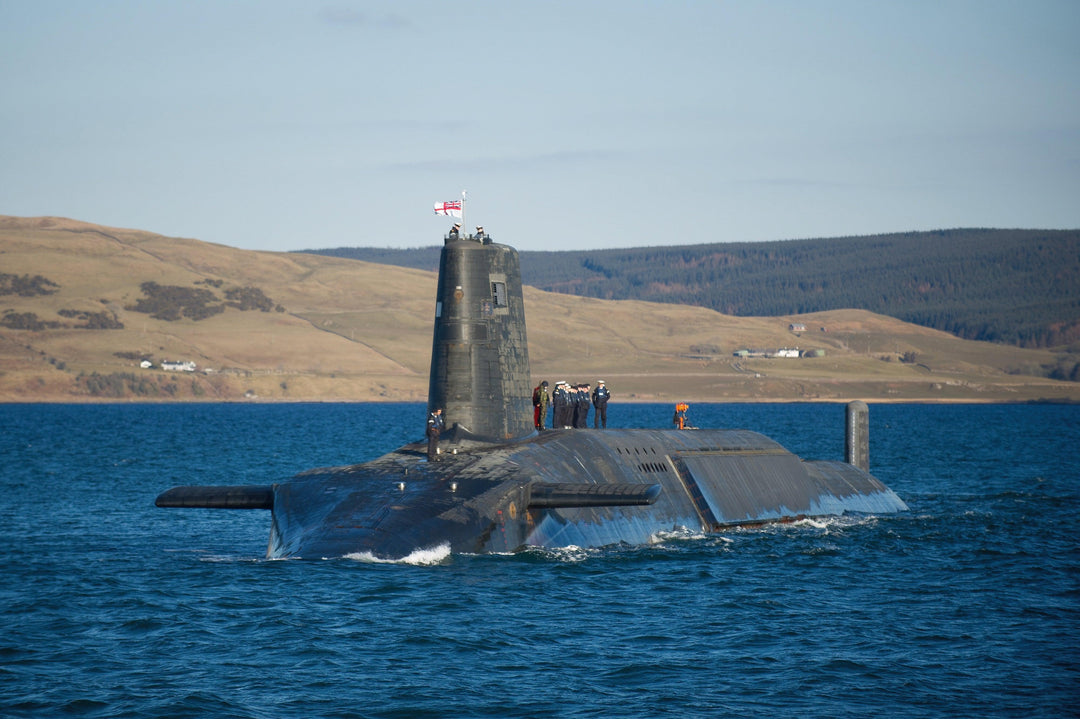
498,485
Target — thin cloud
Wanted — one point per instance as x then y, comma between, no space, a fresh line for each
489,164
792,182
351,17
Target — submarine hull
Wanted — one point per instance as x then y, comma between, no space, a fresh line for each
500,498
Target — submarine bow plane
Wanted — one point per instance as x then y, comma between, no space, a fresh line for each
501,486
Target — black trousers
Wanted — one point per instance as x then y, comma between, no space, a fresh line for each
600,416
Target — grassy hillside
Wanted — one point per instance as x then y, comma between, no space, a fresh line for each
83,304
1013,286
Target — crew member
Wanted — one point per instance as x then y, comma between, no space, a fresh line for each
571,405
455,231
434,427
583,407
679,420
600,397
480,235
559,405
541,400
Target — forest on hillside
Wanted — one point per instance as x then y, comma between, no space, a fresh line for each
1018,287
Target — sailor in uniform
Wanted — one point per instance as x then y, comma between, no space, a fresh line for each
583,406
559,405
434,428
600,397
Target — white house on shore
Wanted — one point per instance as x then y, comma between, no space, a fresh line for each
178,366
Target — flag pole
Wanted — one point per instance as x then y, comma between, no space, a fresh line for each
464,226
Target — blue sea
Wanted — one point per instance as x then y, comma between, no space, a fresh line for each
967,605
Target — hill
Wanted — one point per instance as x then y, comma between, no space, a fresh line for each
1018,287
82,305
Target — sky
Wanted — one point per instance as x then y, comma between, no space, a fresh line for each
286,125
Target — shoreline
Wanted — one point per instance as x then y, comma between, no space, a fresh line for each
635,401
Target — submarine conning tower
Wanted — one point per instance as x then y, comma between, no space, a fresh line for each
479,354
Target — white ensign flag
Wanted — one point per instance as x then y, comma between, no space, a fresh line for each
452,208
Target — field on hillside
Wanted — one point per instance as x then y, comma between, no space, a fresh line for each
303,327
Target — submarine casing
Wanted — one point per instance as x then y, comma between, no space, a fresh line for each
480,500
501,486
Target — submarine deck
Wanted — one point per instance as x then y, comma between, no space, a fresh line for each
480,497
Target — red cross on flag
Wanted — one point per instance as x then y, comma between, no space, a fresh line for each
452,208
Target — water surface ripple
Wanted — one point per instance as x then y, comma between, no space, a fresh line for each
965,606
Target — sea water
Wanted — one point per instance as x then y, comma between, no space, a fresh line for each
966,605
